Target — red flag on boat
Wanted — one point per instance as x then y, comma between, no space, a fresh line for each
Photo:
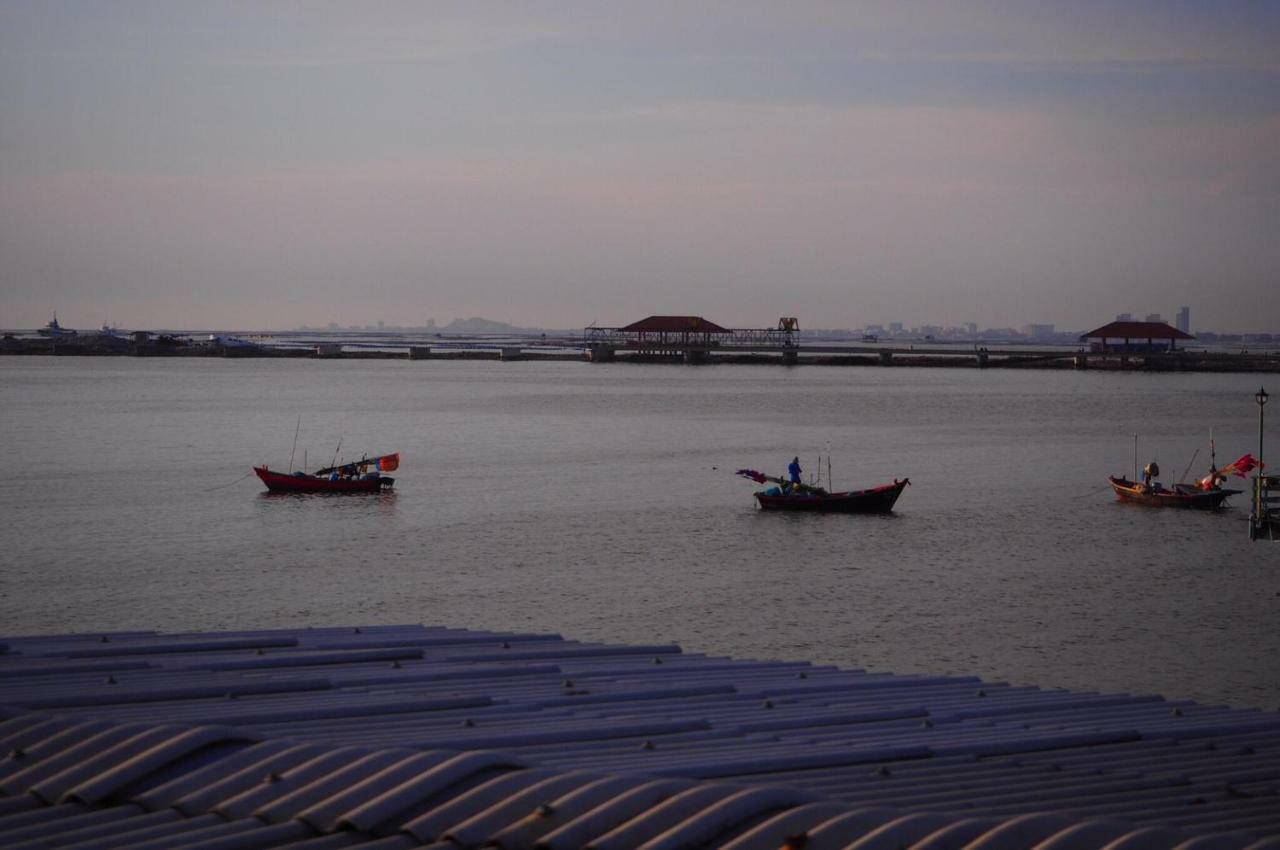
389,463
758,477
1241,466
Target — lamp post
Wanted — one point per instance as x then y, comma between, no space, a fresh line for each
1259,514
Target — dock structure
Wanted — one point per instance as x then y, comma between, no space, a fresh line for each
1264,515
691,339
409,736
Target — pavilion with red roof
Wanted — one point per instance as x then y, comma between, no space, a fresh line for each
1158,336
675,325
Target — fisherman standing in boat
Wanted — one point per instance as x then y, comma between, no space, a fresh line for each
793,469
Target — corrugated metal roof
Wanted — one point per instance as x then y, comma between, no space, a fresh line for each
408,736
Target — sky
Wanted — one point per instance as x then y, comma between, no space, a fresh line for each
257,165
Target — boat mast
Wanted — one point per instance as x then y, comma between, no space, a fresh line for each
296,429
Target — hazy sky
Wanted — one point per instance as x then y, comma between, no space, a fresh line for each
268,164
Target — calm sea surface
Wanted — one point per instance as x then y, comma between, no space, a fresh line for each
598,501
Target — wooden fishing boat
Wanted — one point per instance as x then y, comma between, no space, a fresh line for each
361,476
1207,494
794,496
875,500
1180,496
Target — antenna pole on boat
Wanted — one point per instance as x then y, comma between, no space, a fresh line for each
334,462
296,429
1188,469
1135,457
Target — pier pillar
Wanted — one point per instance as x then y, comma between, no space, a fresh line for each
694,356
983,359
1080,361
600,353
790,357
419,352
886,358
324,349
511,352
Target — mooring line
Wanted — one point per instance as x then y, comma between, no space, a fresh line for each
233,483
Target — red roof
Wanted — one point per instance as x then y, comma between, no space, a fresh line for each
1136,330
675,324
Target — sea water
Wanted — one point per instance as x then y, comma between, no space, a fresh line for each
599,501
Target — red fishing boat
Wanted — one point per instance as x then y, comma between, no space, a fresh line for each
361,476
788,496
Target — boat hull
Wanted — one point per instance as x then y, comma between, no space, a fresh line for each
279,482
1135,493
876,500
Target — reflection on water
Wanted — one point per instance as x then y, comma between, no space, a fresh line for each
382,497
599,502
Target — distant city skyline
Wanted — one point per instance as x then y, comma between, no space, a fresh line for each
557,164
1032,330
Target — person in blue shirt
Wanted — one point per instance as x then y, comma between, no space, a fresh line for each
793,469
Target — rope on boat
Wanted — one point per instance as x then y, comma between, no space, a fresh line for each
233,483
1092,493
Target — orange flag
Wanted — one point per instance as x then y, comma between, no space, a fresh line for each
389,463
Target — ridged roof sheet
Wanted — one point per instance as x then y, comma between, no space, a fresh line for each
319,738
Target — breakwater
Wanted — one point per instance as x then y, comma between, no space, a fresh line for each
539,349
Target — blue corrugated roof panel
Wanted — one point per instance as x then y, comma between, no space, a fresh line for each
408,735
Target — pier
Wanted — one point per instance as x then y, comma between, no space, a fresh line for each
409,736
705,345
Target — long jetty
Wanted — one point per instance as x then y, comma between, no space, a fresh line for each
604,345
394,737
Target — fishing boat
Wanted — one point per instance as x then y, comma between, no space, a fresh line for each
1206,494
1157,496
787,496
55,330
361,476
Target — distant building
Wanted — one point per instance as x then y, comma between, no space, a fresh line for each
1124,317
895,328
1154,317
1183,322
971,328
1038,331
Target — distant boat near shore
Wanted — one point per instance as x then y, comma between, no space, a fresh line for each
55,330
